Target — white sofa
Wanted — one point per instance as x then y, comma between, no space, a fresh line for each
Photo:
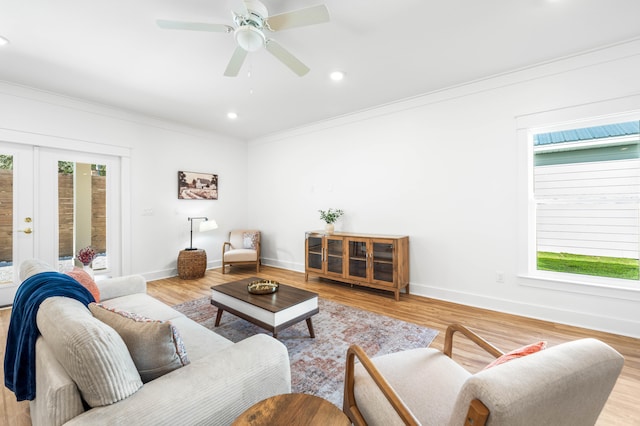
221,381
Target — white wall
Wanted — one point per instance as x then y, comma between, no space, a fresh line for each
442,168
153,152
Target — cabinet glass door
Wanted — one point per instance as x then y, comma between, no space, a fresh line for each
314,253
334,256
357,258
383,262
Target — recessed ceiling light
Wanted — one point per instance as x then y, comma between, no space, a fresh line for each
336,75
3,41
232,115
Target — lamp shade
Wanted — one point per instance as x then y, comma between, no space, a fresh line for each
208,225
249,38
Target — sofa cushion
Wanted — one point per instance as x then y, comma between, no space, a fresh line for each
143,304
155,346
199,341
87,282
91,352
240,255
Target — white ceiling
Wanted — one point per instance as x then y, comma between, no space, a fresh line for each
112,52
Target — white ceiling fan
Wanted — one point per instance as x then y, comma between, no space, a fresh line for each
249,32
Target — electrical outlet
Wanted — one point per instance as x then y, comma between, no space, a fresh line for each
499,277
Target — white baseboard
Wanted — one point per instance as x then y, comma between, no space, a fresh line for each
579,319
291,266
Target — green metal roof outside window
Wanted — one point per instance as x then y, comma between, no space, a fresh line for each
588,133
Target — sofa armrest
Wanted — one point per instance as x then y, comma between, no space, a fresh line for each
211,390
57,396
111,288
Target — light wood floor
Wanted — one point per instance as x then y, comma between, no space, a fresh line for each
505,331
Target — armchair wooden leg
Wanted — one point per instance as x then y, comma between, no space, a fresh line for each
477,414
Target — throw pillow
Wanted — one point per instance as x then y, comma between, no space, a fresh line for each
250,240
85,279
518,353
155,346
91,352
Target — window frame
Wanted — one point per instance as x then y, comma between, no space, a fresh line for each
606,112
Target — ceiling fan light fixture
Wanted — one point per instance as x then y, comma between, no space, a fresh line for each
249,38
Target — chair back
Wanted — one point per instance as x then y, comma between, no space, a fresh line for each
236,237
567,384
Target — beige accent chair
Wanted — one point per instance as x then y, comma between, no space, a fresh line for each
243,247
567,384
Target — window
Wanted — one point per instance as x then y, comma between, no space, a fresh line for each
586,200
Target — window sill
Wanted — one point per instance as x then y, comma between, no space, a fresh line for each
582,284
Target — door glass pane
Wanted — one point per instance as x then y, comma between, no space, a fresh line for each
383,251
82,213
334,247
383,271
6,219
314,255
383,262
315,244
358,259
334,264
334,255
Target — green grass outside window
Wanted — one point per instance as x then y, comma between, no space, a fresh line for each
601,266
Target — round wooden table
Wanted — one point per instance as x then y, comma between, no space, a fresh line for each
293,409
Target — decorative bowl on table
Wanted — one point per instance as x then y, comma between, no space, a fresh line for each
263,287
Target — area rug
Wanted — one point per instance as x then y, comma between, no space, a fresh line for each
317,365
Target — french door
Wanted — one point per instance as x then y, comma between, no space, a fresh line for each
52,203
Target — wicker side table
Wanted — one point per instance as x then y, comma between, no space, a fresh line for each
192,264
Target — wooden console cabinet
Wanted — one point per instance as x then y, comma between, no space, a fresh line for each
378,261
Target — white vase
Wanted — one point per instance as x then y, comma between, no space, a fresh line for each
88,269
329,228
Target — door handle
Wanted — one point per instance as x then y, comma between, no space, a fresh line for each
26,230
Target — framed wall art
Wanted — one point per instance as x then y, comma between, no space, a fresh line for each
197,186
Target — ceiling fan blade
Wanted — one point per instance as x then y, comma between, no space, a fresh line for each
193,26
286,58
298,18
237,59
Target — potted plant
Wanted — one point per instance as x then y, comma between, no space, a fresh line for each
330,216
86,256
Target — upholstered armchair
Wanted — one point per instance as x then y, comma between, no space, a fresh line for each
567,384
243,247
